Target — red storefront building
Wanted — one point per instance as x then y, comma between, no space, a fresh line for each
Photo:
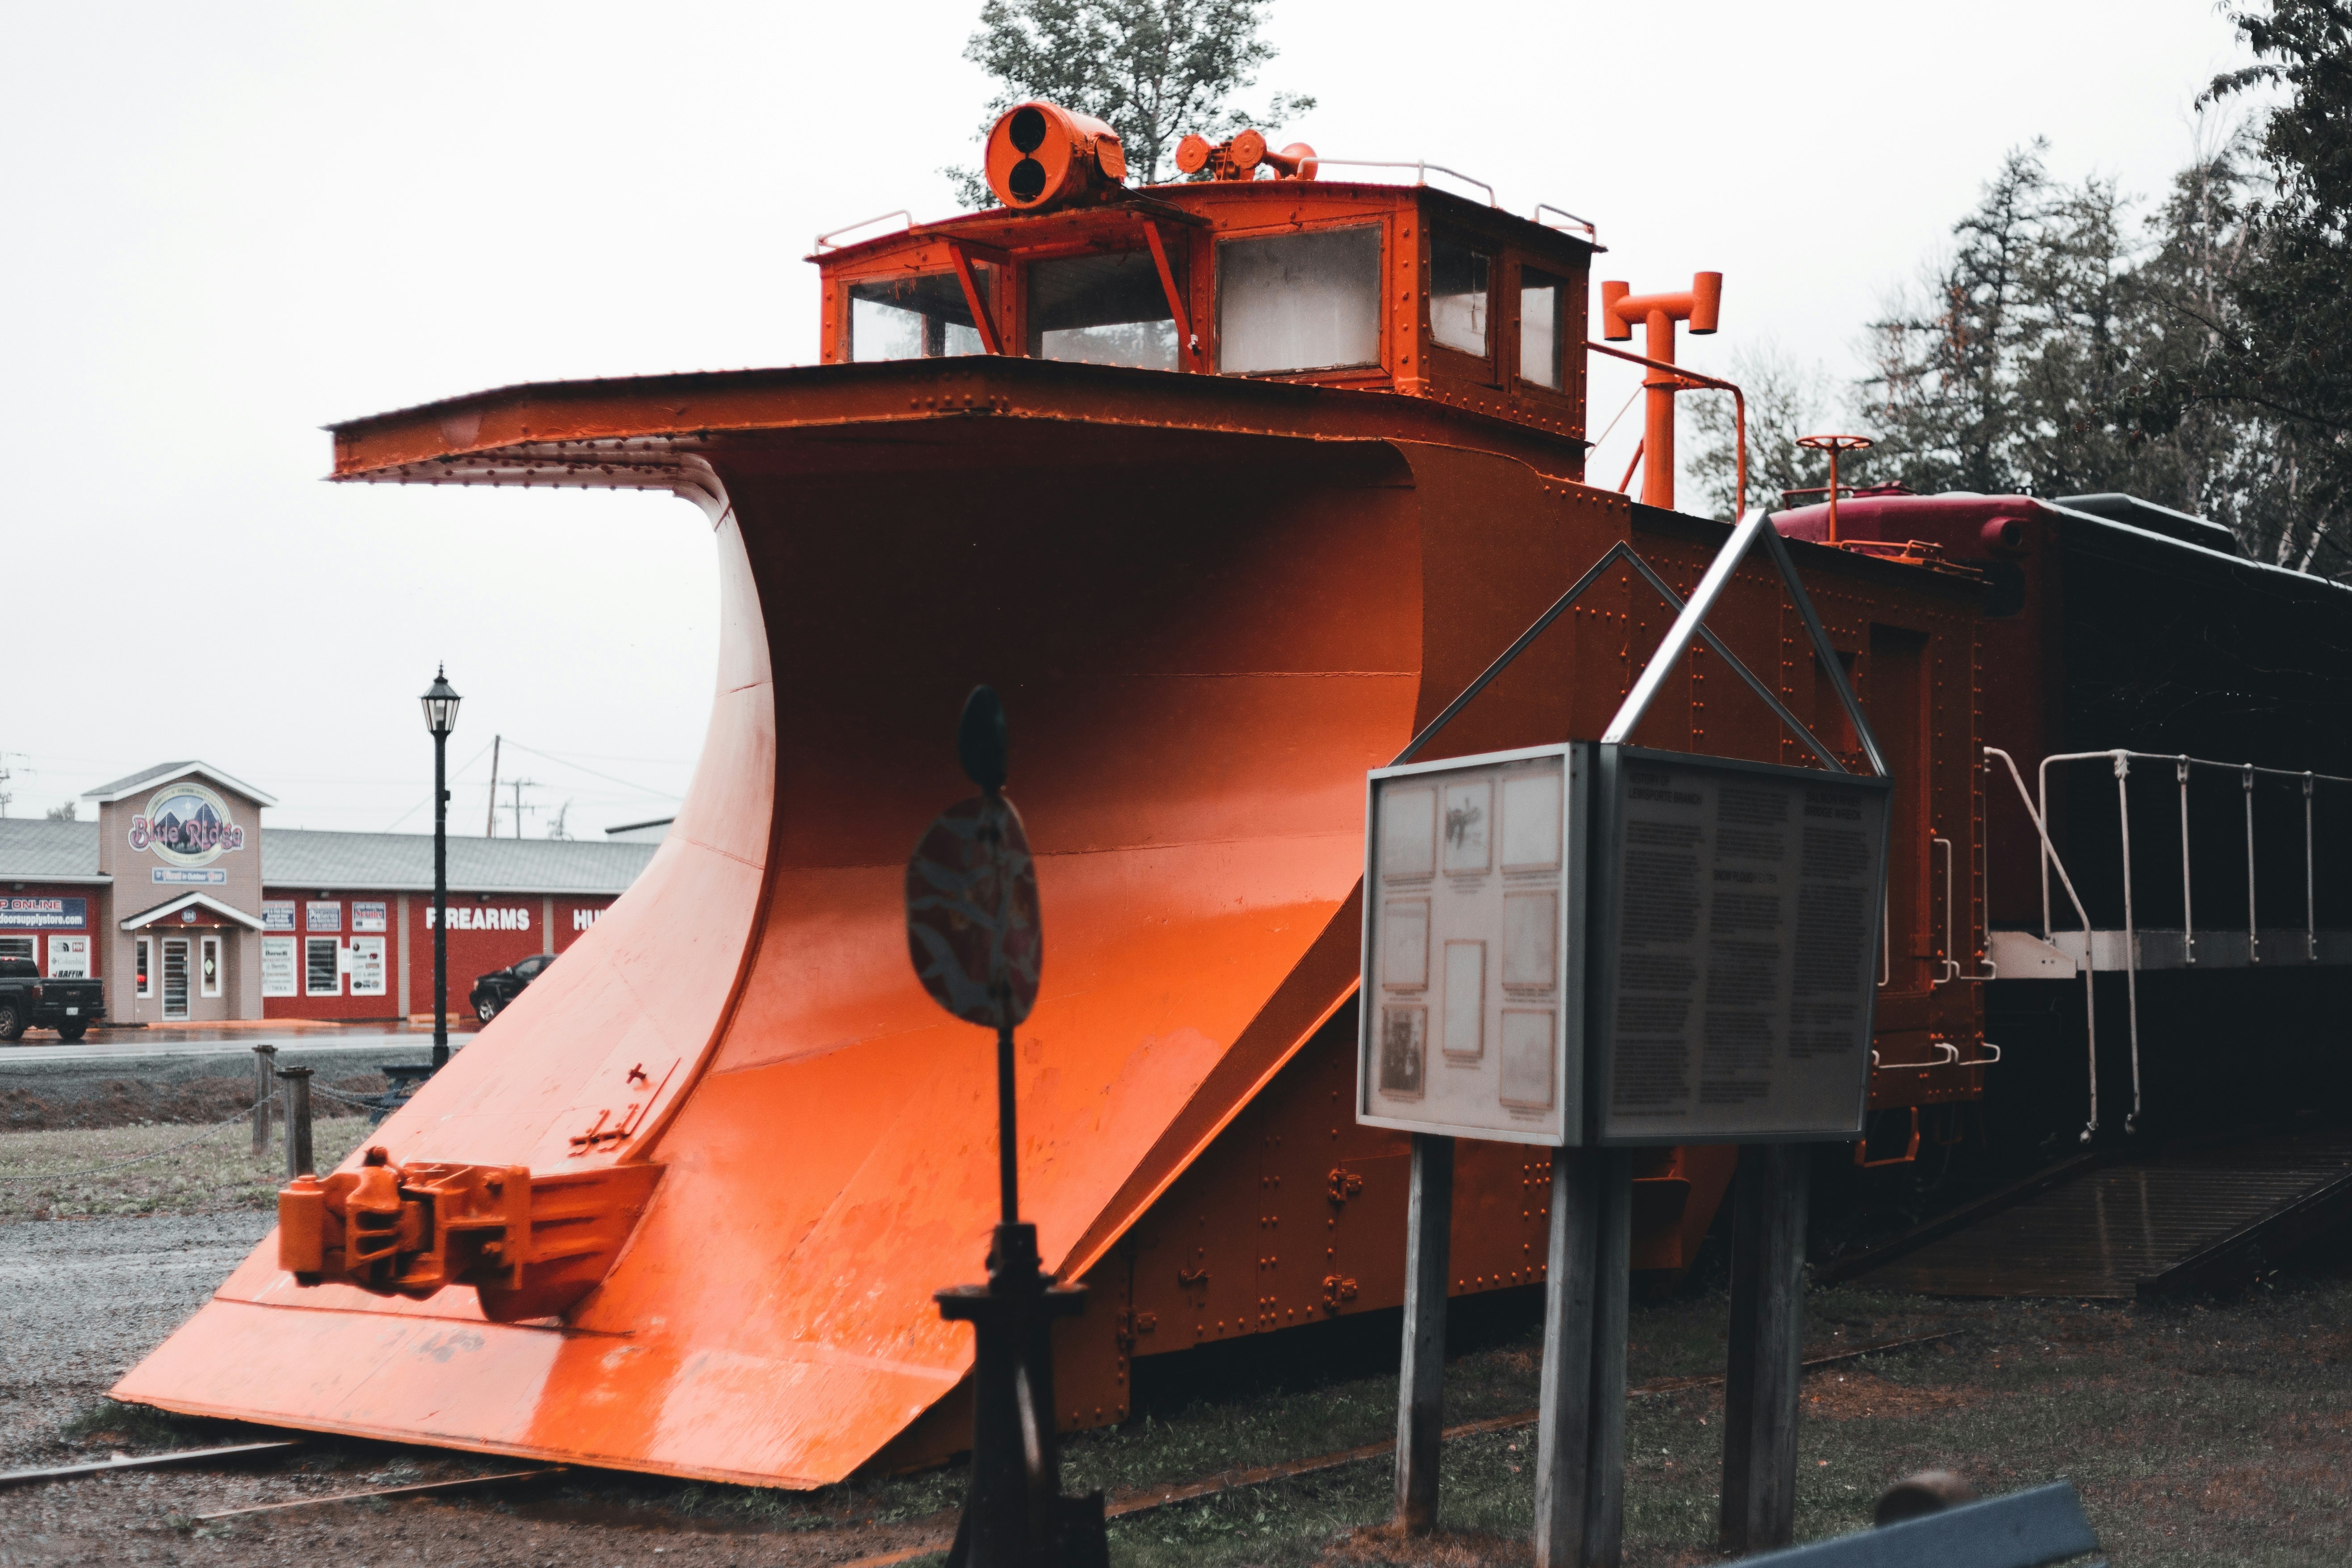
178,898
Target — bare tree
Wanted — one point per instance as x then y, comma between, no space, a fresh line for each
1785,400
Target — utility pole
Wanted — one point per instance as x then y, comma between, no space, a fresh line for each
491,818
520,786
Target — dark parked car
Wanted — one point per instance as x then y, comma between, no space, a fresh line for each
492,992
27,1000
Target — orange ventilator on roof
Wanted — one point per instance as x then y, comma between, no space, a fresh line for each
1701,305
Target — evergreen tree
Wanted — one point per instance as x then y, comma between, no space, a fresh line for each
2272,342
2066,346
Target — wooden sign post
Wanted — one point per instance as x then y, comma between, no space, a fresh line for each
1759,1390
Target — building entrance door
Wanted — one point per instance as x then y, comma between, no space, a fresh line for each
176,978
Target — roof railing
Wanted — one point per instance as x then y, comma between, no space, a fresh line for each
1590,233
1422,168
824,241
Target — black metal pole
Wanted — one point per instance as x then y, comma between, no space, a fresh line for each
440,901
1008,1162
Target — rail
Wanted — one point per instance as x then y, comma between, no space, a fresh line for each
1421,167
2119,761
1692,381
824,241
1573,221
2049,858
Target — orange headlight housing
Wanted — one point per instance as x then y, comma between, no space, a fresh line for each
1040,154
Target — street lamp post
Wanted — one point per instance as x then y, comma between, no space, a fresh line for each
440,701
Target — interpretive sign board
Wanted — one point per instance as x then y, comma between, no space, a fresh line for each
1470,1012
1736,911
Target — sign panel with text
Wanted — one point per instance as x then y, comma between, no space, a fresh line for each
1736,912
38,912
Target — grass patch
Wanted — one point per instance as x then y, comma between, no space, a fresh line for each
215,1174
2218,1433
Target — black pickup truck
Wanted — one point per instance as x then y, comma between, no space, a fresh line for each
27,1000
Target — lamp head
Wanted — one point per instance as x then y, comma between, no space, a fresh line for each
1040,154
440,702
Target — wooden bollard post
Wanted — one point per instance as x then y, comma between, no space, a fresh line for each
265,1060
297,1122
1421,1379
1759,1393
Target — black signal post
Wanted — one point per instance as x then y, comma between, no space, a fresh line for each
440,701
1014,1514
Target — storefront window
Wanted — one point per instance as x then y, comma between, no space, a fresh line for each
146,975
1458,294
17,947
321,974
208,966
1299,301
925,317
1542,308
1101,310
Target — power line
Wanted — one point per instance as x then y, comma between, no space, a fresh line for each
412,810
550,756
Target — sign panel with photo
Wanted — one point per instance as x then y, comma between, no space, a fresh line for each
1470,1004
368,915
1737,917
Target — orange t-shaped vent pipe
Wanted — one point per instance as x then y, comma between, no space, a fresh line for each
1700,305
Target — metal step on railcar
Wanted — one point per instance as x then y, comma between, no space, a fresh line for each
2176,1223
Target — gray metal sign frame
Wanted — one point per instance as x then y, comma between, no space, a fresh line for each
1606,921
1564,1123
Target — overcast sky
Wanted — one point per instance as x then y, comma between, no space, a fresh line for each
228,225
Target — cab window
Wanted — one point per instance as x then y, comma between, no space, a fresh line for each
1543,309
1299,301
924,317
1101,310
1459,295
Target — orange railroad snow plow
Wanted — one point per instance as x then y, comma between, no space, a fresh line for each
1212,600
